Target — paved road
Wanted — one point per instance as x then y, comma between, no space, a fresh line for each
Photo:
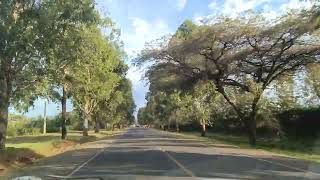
151,154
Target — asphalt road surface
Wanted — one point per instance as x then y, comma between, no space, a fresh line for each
151,154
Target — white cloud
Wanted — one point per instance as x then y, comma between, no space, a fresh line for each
140,26
296,4
142,31
139,85
198,19
181,4
233,8
213,5
269,8
269,13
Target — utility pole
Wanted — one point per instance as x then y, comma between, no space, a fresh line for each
45,117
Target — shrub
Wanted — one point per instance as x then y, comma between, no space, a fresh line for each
53,125
300,123
22,127
74,121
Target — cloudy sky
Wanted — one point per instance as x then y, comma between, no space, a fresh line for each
141,21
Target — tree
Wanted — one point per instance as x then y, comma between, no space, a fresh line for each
21,65
60,25
93,78
313,78
175,104
157,106
122,105
204,97
285,91
144,118
244,55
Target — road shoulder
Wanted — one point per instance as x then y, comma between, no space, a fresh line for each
63,164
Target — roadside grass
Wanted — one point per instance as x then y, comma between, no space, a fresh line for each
23,150
305,149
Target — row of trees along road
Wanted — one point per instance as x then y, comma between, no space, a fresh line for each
202,71
61,50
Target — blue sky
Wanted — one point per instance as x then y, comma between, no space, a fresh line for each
141,21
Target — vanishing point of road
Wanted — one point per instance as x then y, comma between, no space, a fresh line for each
150,154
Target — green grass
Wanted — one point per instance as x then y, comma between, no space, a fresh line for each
305,149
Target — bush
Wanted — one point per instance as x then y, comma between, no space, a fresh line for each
22,127
300,123
53,124
74,121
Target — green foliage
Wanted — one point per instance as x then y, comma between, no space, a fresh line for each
56,50
300,123
313,77
240,60
204,99
185,29
74,120
23,127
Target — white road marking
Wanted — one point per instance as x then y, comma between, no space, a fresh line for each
187,171
283,165
85,163
92,157
259,159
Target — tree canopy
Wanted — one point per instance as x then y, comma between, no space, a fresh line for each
58,50
241,57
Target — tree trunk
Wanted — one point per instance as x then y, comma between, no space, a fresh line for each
169,125
177,125
251,121
97,125
85,125
64,113
45,117
252,132
203,130
4,109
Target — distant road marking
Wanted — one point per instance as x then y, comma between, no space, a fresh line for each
90,159
187,171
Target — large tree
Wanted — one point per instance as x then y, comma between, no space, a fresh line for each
61,24
93,76
21,64
242,55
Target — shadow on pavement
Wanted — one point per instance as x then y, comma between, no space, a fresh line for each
154,162
146,153
61,164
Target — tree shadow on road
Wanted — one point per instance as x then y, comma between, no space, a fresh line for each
153,162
